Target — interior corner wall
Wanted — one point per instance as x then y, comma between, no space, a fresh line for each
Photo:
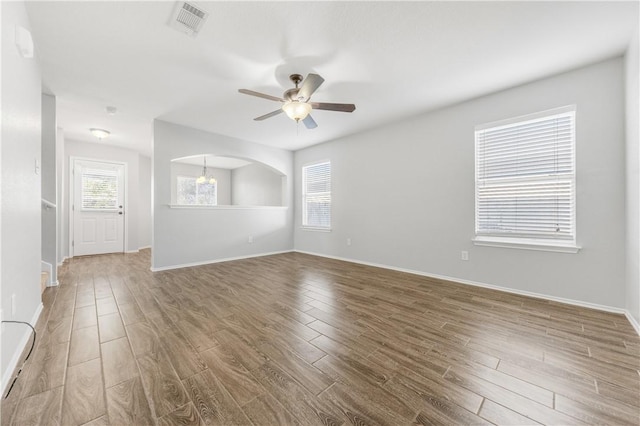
186,236
405,196
49,185
632,73
144,202
63,238
255,185
20,220
105,152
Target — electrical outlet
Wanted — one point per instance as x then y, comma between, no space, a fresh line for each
348,241
464,255
250,240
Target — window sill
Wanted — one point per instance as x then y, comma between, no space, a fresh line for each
190,207
315,229
522,244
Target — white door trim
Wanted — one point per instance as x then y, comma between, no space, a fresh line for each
72,166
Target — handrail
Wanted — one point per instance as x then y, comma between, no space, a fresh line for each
48,204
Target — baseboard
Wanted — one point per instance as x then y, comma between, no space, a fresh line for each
54,284
131,251
633,321
8,373
209,262
48,268
144,247
485,285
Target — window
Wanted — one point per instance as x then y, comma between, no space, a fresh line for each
199,194
525,180
99,189
316,195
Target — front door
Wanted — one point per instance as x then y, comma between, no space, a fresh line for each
98,207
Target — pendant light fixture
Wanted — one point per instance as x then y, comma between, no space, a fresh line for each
203,177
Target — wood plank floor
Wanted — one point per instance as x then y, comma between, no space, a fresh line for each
294,339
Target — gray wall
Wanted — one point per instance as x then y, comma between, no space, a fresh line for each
20,219
49,185
184,236
256,185
144,202
406,192
223,176
63,238
633,179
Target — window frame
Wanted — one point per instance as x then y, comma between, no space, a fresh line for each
177,183
524,240
304,218
114,197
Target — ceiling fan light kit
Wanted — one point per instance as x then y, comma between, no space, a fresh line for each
297,110
296,101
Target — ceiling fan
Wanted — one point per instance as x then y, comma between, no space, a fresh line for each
296,101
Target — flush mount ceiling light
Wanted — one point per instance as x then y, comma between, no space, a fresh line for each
100,133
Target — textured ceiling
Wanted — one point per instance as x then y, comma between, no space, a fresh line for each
392,59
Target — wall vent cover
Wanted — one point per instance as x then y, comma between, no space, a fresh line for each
188,18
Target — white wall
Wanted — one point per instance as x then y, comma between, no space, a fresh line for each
102,151
144,202
63,238
20,221
632,71
256,185
199,235
49,187
406,192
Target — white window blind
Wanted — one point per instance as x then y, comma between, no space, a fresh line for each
316,194
190,192
525,178
99,189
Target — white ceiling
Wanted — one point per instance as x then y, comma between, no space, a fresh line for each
391,59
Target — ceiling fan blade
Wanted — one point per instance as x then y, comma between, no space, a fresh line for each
309,122
310,85
260,95
271,114
333,107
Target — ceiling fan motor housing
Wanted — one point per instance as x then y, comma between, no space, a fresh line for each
291,94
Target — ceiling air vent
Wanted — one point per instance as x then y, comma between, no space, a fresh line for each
188,18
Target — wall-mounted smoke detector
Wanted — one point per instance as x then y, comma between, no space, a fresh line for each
188,18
